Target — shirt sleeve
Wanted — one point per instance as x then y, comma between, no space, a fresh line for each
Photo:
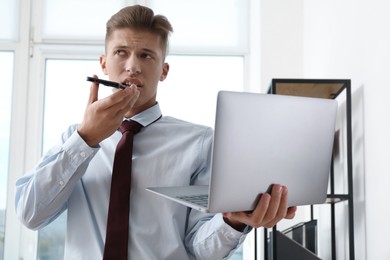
214,239
42,194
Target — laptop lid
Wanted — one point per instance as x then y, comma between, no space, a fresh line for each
263,139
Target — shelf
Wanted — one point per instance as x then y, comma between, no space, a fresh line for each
328,89
336,198
318,88
288,249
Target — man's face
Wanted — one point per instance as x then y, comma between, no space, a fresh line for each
135,57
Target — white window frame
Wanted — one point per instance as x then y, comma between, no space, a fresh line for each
27,106
17,159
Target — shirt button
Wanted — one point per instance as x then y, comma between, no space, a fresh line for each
82,154
61,183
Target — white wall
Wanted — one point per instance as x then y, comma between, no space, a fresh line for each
350,39
333,46
281,40
347,39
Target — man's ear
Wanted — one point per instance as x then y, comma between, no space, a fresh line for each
165,71
102,60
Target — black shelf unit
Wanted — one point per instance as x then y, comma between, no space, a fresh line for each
319,88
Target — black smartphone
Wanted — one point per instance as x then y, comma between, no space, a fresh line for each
106,82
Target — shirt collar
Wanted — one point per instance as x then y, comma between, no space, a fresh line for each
148,116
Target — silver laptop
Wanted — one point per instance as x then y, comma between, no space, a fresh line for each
260,140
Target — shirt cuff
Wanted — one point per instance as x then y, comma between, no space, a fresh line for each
77,149
229,229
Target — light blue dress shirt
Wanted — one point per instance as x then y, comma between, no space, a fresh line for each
75,177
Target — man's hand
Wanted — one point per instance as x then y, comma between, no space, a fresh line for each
270,209
103,117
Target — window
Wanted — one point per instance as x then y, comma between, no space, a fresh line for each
9,20
59,113
202,26
191,88
88,21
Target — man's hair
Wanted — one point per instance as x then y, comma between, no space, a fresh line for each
139,17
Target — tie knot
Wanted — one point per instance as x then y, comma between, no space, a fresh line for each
130,125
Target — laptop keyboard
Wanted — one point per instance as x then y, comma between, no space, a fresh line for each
202,200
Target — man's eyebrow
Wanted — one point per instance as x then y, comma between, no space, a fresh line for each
149,50
121,47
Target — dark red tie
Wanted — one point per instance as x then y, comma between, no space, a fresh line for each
117,234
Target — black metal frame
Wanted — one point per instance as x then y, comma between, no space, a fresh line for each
344,85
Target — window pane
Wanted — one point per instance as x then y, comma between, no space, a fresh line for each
60,92
77,19
65,101
190,90
6,68
217,24
9,19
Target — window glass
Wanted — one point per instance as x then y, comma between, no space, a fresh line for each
6,68
217,25
77,19
66,97
190,90
9,19
203,28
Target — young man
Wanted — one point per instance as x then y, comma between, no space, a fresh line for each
76,174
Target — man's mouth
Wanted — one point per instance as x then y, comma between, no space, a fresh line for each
129,82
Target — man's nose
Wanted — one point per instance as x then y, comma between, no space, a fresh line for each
133,66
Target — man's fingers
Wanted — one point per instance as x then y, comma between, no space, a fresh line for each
274,204
280,212
254,218
93,94
270,209
119,102
291,212
258,214
135,95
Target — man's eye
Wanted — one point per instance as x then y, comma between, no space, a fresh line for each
119,52
146,56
